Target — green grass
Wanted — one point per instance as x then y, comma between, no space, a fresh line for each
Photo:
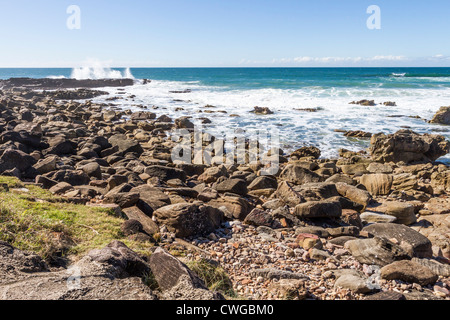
215,278
35,220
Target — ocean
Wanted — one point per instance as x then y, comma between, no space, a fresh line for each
417,92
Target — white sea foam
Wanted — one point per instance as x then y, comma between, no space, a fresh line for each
94,69
56,77
296,127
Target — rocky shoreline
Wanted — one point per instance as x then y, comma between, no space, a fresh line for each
371,225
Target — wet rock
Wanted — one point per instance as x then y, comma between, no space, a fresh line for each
262,111
306,152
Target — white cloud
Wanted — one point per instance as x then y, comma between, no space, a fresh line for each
332,60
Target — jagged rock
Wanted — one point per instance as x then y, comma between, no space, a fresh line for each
262,110
185,219
297,174
305,152
442,116
411,240
176,280
288,195
409,271
408,146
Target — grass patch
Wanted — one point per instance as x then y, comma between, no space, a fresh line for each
37,221
215,278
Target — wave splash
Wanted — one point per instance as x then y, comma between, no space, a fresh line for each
98,71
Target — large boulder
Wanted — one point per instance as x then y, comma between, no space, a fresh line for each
186,219
112,273
408,146
377,183
442,116
353,193
11,159
412,241
409,271
379,251
176,280
297,174
125,145
233,207
319,209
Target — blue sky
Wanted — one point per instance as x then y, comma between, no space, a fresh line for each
172,33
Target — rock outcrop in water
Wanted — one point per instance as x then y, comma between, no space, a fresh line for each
407,146
442,116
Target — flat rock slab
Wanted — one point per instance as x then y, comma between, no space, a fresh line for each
419,245
409,271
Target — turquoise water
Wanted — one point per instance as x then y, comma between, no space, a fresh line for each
277,78
417,92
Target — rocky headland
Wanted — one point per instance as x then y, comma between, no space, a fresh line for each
370,225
